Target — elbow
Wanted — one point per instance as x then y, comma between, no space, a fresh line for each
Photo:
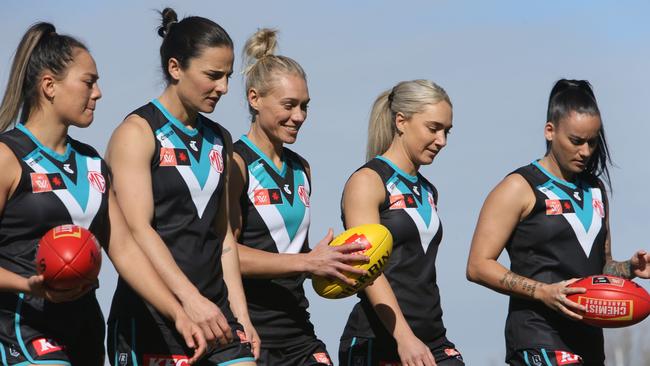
472,272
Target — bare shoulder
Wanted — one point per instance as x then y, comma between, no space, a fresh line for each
514,193
365,183
133,135
10,169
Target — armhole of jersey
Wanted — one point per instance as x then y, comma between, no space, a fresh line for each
22,180
521,172
384,171
146,115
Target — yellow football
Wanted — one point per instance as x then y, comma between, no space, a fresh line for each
379,244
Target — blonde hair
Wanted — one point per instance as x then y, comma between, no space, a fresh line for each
41,48
262,65
408,98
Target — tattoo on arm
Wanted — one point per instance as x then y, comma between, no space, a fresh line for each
514,282
620,269
225,250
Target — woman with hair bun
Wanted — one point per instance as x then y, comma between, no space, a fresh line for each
49,179
171,166
272,185
398,318
552,218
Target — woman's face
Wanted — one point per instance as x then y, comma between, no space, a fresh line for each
205,79
573,140
74,97
282,111
425,133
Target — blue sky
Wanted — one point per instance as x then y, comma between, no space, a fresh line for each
497,60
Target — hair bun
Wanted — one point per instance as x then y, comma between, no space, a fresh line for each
261,44
169,18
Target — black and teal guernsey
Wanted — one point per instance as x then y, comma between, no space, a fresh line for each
563,237
187,176
275,218
54,189
409,212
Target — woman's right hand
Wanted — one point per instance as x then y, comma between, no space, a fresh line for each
555,297
192,334
209,318
37,287
412,352
333,262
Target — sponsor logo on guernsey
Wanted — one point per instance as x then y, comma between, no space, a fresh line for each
12,351
607,309
216,160
406,200
606,280
193,145
599,207
566,358
451,352
537,360
286,189
173,157
46,182
43,346
322,357
558,207
67,168
304,196
166,360
264,197
97,181
123,359
432,202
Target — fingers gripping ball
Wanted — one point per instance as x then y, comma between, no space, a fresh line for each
611,302
379,244
68,256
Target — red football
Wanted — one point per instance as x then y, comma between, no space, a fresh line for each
611,302
68,256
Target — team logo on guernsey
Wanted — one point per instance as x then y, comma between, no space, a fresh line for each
406,200
321,357
46,182
173,157
304,196
558,207
567,358
166,360
43,346
97,181
216,160
264,197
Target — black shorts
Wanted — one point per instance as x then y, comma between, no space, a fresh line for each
311,353
35,331
360,351
141,340
547,357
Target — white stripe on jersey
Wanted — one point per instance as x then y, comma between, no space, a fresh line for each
585,237
79,216
426,233
199,196
275,222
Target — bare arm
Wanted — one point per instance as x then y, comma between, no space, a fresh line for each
504,208
323,260
363,194
129,154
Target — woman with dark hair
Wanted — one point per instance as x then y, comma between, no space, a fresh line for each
49,179
398,319
552,218
170,165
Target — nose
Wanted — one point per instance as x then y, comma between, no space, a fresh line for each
585,151
97,93
221,86
298,115
441,139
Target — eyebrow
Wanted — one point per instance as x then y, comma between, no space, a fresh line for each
92,75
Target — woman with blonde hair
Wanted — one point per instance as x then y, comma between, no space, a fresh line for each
273,186
398,318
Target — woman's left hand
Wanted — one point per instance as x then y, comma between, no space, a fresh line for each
640,264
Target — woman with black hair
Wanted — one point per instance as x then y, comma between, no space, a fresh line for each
170,165
50,179
552,218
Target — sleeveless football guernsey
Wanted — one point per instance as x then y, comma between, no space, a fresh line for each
409,212
275,218
563,237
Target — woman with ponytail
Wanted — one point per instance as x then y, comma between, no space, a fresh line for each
50,179
398,318
171,167
272,185
552,217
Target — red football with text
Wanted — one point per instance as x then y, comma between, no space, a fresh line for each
68,256
611,302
